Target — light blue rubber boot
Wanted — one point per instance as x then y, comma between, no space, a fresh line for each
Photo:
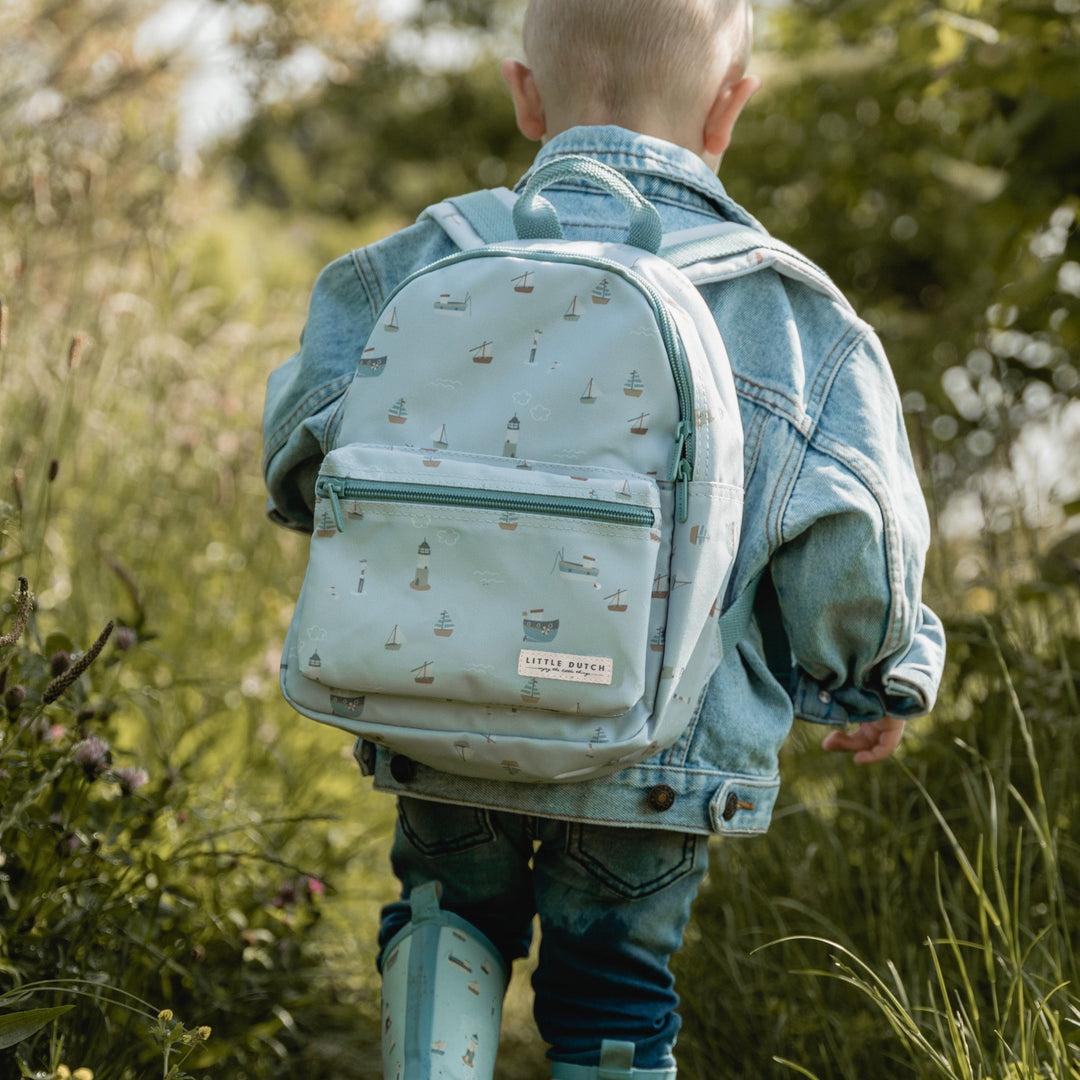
442,990
616,1063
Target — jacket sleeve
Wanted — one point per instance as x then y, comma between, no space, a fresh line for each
303,394
848,572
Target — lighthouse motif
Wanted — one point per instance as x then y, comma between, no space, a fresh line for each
512,429
420,581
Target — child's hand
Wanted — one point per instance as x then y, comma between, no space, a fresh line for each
872,741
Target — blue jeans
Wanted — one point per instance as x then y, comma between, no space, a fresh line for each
613,904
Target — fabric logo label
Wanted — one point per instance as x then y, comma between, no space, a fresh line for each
566,667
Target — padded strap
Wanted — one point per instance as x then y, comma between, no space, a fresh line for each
734,624
728,250
481,217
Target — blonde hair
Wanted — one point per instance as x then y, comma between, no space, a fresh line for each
613,57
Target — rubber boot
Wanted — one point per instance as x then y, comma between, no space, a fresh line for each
616,1063
442,990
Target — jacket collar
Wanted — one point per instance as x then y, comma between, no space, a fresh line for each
645,155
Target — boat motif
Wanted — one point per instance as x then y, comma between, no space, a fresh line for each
538,630
586,568
395,640
530,692
353,508
638,422
633,385
616,599
325,525
480,353
347,706
572,314
588,396
439,438
602,293
444,625
656,641
430,460
391,325
660,587
397,413
624,492
521,282
456,307
423,672
508,521
370,367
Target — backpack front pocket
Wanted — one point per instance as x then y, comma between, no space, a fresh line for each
478,581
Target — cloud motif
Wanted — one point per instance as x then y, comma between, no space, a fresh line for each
420,519
540,413
643,331
480,669
446,384
522,397
449,537
488,577
316,633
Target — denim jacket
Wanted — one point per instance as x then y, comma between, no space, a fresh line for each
833,509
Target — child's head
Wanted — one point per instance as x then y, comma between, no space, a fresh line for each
656,66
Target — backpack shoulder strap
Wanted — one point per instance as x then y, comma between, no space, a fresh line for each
729,250
481,217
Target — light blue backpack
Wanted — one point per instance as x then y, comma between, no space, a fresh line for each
524,534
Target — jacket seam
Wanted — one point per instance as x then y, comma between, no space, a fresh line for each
318,399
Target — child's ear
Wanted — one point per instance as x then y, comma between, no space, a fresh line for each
720,121
528,108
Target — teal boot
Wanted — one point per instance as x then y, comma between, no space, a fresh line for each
616,1063
442,991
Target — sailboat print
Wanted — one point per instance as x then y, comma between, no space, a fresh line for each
633,385
370,366
521,283
572,313
325,525
587,395
398,414
541,630
656,642
616,599
624,492
395,640
391,325
660,587
447,303
586,568
444,625
508,521
439,438
602,293
421,672
530,692
480,354
639,427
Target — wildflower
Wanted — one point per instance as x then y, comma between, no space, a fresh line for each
125,638
14,696
24,604
314,886
203,1032
59,662
129,779
166,1015
83,1074
92,755
62,682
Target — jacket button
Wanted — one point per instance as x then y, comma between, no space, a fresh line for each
402,769
660,797
731,806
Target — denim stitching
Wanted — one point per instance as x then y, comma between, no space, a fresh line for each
483,833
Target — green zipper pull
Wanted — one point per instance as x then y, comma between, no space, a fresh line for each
332,489
683,430
683,474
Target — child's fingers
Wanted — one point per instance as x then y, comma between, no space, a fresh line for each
871,742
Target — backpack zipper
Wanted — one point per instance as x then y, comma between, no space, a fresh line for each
682,458
479,499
